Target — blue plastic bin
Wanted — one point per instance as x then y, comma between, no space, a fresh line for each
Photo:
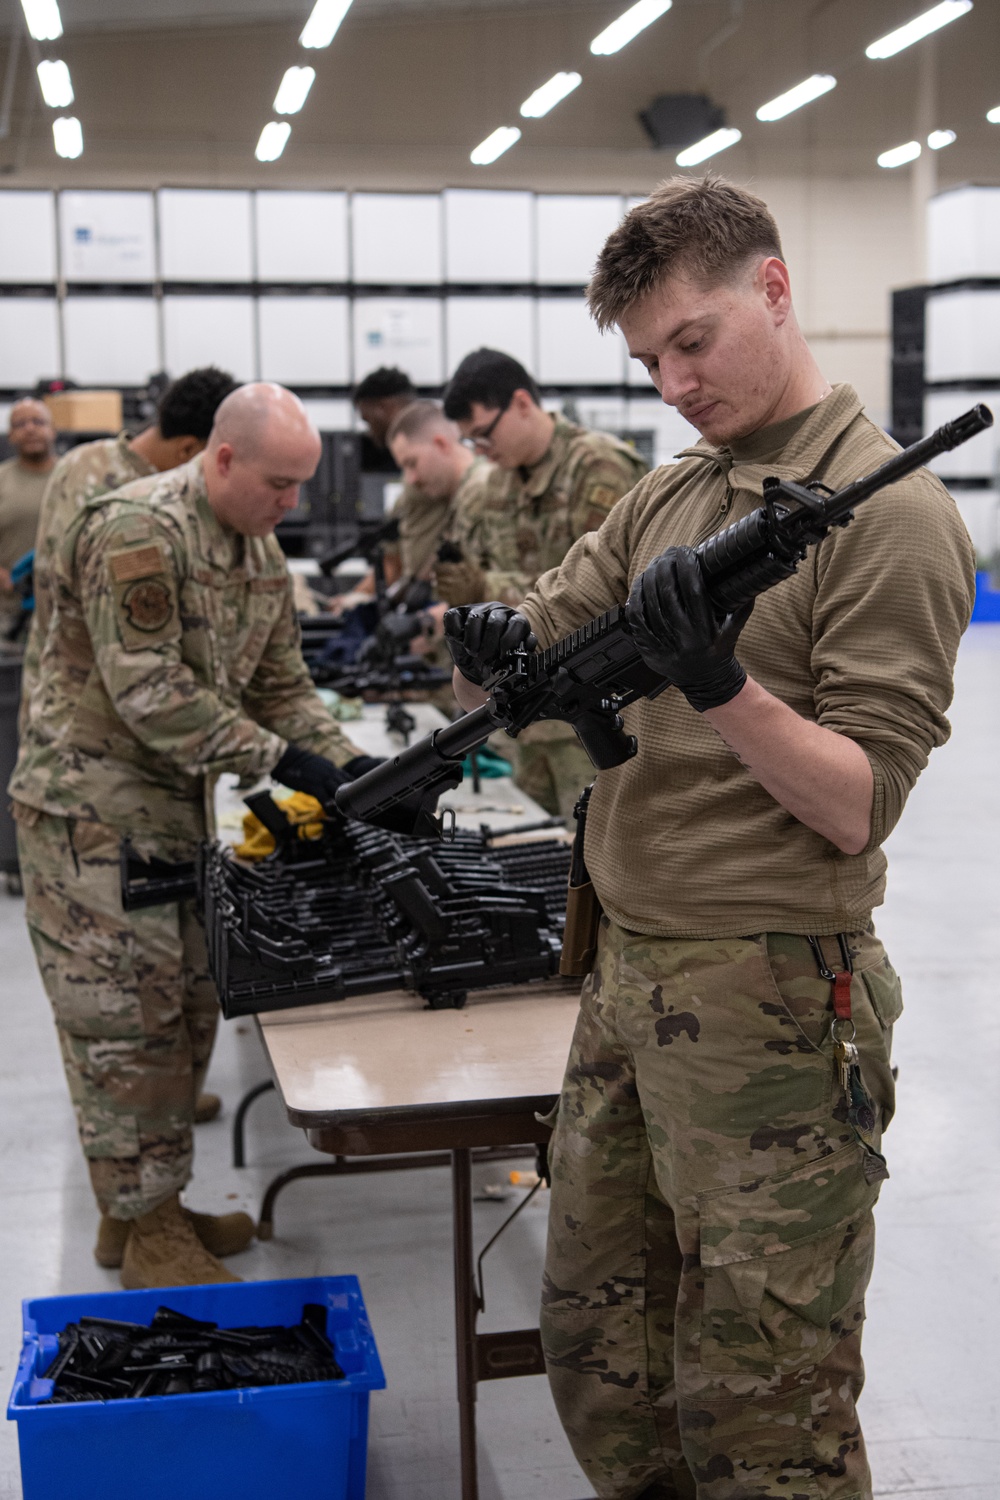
986,610
309,1441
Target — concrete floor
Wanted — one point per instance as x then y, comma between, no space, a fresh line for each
931,1410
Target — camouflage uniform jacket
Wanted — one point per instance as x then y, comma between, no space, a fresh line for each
89,470
520,529
172,655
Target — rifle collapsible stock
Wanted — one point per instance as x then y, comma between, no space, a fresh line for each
590,676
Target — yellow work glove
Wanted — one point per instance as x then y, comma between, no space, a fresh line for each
303,812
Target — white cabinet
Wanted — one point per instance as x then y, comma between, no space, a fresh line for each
489,237
963,335
205,235
396,239
671,431
963,234
571,350
27,237
979,458
29,341
111,340
405,332
506,323
301,236
209,331
107,237
304,340
571,230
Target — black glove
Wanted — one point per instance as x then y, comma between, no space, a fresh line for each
313,774
480,636
680,633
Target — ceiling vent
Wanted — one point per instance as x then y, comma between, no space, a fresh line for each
675,120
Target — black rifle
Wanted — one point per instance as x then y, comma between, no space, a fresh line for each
590,676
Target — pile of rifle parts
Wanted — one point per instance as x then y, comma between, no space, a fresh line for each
362,910
102,1359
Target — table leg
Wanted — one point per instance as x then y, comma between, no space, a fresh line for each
465,1317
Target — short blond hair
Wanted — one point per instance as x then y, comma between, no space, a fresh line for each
708,230
420,419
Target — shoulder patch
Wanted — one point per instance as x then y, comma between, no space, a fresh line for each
137,562
148,605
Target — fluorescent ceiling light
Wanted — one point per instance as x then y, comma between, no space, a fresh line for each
324,22
495,145
43,18
718,141
293,90
918,28
55,83
940,138
272,140
802,93
68,136
616,36
900,155
548,96
993,115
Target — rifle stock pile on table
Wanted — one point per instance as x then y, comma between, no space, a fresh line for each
362,911
590,676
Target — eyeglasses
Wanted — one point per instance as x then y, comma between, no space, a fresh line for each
483,439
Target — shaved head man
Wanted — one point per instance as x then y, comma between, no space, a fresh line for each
176,628
262,448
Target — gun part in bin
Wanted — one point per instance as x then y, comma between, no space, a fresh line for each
587,678
104,1359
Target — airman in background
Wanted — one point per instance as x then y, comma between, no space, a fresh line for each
23,479
561,482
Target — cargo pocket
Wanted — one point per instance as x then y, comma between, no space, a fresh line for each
786,1261
874,1021
885,992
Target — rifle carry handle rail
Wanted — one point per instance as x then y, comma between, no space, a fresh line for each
587,678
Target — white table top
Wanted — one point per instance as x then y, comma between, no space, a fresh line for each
385,1055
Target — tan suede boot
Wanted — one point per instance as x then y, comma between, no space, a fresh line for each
221,1234
163,1249
206,1108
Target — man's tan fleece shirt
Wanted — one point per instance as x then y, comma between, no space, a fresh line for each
681,841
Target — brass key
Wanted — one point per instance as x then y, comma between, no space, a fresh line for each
847,1057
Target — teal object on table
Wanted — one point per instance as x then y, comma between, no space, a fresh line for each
986,609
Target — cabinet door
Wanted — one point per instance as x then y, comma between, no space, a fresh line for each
304,340
111,340
405,332
489,237
205,235
301,236
29,341
979,458
107,237
209,331
506,323
571,350
963,335
396,239
27,237
571,230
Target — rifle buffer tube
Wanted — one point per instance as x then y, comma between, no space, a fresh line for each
739,564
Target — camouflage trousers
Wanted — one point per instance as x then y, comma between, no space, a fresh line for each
134,1005
711,1231
554,772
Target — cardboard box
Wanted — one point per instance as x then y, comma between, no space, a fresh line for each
86,411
